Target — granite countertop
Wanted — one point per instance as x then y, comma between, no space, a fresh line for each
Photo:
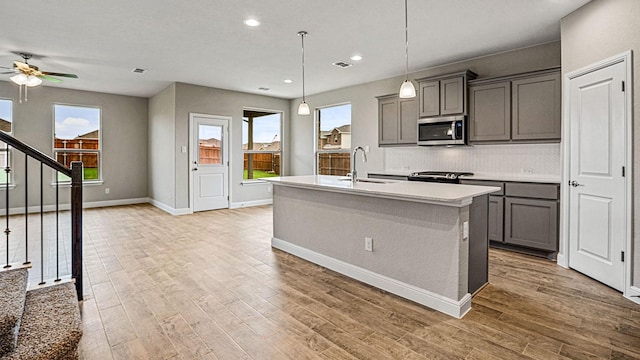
552,179
433,193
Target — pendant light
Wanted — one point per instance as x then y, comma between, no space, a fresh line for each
407,90
303,108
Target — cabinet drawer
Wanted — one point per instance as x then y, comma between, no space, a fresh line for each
486,183
529,190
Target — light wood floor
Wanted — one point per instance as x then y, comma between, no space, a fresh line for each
209,286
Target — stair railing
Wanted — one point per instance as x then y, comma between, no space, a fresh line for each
75,173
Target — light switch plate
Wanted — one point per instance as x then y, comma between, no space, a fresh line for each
183,149
465,230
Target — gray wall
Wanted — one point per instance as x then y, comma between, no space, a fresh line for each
162,110
599,30
124,141
364,105
170,170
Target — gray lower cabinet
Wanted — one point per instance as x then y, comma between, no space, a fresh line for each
518,108
523,216
397,121
531,222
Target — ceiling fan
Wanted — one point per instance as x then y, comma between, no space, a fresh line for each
27,75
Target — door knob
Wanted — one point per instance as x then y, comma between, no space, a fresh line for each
195,169
574,183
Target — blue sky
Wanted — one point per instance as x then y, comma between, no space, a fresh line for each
210,132
5,109
72,121
335,116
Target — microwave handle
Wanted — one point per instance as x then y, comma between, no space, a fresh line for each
453,130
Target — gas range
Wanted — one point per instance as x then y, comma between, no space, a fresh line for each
451,177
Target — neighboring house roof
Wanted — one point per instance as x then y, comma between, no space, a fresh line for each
344,129
90,135
213,142
5,125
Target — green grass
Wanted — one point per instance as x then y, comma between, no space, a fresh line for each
257,174
89,174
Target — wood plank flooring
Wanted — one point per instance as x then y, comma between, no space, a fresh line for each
209,286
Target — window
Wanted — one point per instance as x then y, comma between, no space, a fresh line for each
261,135
77,138
334,140
6,122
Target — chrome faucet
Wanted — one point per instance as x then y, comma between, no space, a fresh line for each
354,173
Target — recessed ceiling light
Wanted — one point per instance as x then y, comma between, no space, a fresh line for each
288,81
356,58
252,22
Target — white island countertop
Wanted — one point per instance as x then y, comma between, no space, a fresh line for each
425,192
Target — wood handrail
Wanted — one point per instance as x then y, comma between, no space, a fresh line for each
34,153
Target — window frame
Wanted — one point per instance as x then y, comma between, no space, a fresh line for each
9,151
279,152
316,141
98,151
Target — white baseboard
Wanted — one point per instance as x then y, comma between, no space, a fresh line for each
85,205
561,260
424,297
633,294
169,209
250,203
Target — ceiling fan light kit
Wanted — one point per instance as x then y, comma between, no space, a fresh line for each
303,108
407,90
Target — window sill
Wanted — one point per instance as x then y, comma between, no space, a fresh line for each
253,182
67,184
4,186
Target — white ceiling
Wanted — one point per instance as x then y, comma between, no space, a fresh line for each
205,42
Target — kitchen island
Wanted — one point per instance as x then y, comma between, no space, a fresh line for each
408,238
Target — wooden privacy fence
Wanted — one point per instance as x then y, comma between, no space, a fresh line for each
88,159
334,164
210,154
269,162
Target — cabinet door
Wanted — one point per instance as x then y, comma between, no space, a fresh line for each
388,121
536,108
532,223
490,112
496,218
429,98
408,122
452,96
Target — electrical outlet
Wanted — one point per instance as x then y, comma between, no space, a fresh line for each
268,189
366,149
107,191
527,171
368,244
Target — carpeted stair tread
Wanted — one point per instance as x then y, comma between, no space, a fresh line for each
51,325
13,287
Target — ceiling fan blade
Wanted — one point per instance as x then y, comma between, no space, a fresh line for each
50,78
60,74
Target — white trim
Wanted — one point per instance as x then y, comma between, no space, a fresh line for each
67,184
625,57
250,203
85,205
169,209
633,294
424,297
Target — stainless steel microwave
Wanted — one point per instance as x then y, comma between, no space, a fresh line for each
450,130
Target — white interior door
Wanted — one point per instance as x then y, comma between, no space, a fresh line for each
209,162
597,202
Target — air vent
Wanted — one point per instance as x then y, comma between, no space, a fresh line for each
139,71
264,89
342,64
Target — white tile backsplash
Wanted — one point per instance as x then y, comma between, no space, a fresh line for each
508,159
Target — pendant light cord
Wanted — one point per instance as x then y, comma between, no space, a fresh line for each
406,42
302,35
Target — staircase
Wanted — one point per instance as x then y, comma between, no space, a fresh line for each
39,324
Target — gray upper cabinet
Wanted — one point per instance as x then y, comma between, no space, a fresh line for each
490,112
518,108
429,98
536,108
444,95
397,121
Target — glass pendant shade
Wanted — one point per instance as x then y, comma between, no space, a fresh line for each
20,79
407,90
33,81
303,109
